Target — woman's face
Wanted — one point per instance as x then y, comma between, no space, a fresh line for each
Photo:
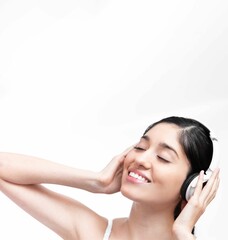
156,168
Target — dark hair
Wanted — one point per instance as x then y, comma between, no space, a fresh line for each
196,142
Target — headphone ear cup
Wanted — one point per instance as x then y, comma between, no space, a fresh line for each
185,192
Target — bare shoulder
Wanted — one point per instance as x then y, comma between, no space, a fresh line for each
119,228
92,227
96,227
118,222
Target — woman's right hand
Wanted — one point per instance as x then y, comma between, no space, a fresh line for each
109,179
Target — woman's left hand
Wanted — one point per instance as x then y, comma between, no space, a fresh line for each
109,179
196,206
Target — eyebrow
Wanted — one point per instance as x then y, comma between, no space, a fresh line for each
163,145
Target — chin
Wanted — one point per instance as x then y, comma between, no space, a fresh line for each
156,200
126,193
129,196
133,195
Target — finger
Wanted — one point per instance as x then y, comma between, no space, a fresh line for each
117,161
122,156
126,151
211,185
212,180
213,189
199,184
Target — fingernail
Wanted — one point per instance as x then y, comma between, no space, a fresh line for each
202,174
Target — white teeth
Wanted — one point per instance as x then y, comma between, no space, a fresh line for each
136,176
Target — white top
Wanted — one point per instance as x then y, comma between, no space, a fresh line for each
108,230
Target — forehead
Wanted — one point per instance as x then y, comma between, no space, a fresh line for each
165,132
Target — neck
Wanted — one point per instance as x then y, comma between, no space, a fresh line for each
150,223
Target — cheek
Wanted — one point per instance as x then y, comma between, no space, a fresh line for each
176,182
170,181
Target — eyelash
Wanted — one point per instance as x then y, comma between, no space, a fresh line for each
163,159
139,148
160,158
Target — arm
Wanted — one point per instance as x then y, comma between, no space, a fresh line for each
195,207
20,179
26,170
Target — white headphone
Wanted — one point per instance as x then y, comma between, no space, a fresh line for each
190,183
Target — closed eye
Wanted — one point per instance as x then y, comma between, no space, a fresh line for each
139,148
163,159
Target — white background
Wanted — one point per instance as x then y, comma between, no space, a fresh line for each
81,80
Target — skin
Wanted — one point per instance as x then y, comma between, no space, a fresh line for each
151,216
166,169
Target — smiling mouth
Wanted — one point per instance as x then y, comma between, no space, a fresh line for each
138,177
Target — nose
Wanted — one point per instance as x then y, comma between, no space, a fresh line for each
144,159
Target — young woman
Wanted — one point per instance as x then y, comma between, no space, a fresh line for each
151,174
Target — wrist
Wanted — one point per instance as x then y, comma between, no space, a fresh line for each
182,233
94,183
85,180
101,183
